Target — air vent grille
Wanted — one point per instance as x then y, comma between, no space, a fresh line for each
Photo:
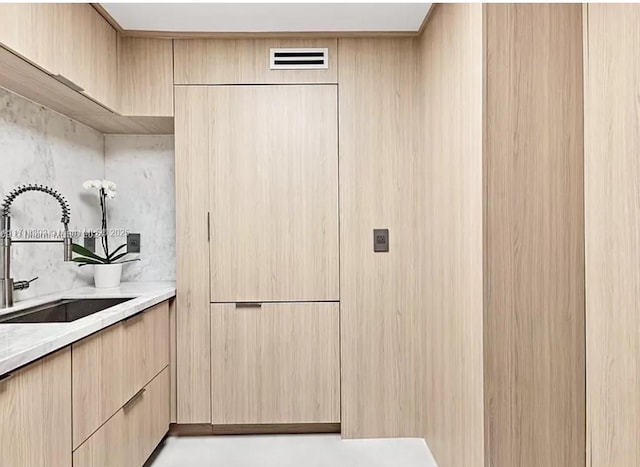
299,59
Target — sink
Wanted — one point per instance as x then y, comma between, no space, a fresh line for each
62,311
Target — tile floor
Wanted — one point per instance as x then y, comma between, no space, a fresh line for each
292,451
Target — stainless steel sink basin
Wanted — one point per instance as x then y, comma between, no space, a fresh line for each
62,311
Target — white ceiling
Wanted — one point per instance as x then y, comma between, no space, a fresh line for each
269,17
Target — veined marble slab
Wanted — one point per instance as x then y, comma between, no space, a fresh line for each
21,344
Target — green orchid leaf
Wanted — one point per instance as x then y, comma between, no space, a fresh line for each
113,253
88,253
85,261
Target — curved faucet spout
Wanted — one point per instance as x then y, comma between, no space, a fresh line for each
7,285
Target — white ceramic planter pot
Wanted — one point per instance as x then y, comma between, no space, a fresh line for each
107,275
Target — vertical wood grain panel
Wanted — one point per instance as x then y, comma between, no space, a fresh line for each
381,186
193,351
450,226
98,381
173,360
276,364
612,191
145,73
35,414
533,236
245,61
273,164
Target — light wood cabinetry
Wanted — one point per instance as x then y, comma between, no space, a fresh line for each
275,364
129,437
30,30
246,61
86,52
71,41
98,381
612,220
273,187
193,352
65,56
35,414
112,367
146,347
145,73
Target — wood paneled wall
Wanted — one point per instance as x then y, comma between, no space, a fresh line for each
534,236
381,186
449,227
612,194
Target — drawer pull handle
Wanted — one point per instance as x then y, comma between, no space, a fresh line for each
133,400
248,305
134,318
67,82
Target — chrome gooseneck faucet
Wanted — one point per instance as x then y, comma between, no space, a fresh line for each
7,284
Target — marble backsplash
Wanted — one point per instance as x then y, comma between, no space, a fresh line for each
143,169
40,146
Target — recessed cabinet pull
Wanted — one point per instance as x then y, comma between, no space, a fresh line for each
67,82
248,305
133,400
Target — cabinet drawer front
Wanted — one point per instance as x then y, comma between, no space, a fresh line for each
278,363
106,447
35,410
97,381
146,347
130,436
146,419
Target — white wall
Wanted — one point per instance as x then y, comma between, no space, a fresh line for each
41,146
143,169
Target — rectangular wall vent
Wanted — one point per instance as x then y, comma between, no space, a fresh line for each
299,59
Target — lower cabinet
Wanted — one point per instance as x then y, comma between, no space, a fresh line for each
129,437
121,391
275,363
35,410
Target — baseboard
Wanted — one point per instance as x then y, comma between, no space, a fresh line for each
204,429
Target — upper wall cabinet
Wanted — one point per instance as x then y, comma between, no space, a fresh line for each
145,69
247,61
28,29
71,42
87,52
66,57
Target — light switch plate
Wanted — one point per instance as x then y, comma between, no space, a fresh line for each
133,243
380,240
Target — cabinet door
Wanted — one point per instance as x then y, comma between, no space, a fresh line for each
28,29
97,381
35,414
146,347
88,52
145,73
278,363
273,185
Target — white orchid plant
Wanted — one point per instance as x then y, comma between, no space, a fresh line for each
106,191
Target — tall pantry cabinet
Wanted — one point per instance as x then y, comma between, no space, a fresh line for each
258,247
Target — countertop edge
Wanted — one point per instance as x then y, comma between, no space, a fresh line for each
65,334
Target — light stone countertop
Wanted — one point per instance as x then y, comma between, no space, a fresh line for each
21,344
